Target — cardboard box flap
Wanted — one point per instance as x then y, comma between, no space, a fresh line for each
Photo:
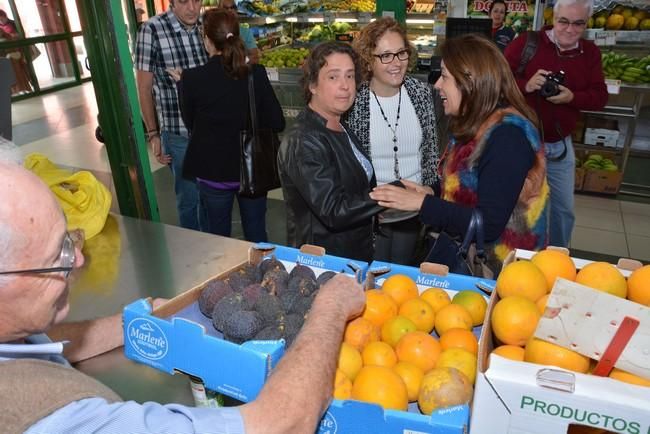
585,320
312,250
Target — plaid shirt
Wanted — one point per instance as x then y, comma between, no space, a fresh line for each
163,42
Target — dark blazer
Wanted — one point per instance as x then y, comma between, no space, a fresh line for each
215,109
326,190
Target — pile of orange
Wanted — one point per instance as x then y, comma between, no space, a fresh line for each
409,346
524,288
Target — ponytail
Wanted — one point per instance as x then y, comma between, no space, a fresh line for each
222,29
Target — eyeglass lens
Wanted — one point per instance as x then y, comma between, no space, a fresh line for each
389,57
68,253
566,23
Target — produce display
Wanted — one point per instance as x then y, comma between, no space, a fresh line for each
597,162
628,69
284,57
524,288
262,302
409,347
343,5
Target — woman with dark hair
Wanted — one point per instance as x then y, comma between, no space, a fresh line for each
394,117
326,176
494,161
214,106
501,34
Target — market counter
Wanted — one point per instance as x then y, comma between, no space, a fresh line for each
132,259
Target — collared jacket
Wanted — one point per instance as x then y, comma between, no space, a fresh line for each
421,95
326,189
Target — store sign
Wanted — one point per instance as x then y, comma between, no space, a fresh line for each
519,13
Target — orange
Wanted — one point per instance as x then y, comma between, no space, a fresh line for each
379,354
420,312
460,359
459,338
554,264
342,386
638,286
360,332
380,385
522,278
419,348
350,361
628,377
452,316
395,328
546,353
474,303
514,320
443,387
380,307
541,303
400,288
436,297
603,277
511,352
411,375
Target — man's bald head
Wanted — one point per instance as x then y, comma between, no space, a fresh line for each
28,207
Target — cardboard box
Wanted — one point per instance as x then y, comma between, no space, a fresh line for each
601,132
602,181
178,338
578,133
359,417
580,179
524,398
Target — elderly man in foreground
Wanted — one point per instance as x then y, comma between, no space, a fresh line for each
41,393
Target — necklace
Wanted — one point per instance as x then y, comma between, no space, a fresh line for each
393,129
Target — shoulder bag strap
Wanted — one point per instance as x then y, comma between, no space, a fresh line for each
532,40
251,102
474,232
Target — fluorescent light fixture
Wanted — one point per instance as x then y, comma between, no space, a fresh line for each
372,20
419,21
292,19
346,20
270,20
316,20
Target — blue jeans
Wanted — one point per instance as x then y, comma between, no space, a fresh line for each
187,194
561,180
216,213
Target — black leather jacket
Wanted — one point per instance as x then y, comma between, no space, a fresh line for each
326,190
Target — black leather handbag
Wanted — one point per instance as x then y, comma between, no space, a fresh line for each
468,257
259,150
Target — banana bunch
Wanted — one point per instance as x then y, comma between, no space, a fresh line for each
598,162
620,66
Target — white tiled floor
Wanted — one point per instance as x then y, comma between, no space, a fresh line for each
603,225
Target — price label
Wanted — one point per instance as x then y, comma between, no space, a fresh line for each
273,74
613,86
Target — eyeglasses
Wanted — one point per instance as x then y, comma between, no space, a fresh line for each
389,57
563,23
66,259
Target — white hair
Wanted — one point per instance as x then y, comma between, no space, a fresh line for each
587,4
9,152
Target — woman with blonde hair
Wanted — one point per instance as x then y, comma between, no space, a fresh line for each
393,116
494,162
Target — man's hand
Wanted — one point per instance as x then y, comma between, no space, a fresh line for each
343,292
564,97
406,199
537,80
410,185
156,148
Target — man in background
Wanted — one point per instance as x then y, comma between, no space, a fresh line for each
170,40
560,47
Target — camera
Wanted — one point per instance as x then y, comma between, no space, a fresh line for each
550,86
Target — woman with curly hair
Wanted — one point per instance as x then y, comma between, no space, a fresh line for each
495,161
393,116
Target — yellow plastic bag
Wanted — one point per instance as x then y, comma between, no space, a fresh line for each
85,201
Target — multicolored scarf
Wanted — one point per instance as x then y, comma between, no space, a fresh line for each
527,226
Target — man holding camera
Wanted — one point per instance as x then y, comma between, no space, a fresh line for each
562,77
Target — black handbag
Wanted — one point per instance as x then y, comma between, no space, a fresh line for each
468,257
259,150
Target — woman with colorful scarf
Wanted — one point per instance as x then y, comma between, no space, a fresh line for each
494,161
